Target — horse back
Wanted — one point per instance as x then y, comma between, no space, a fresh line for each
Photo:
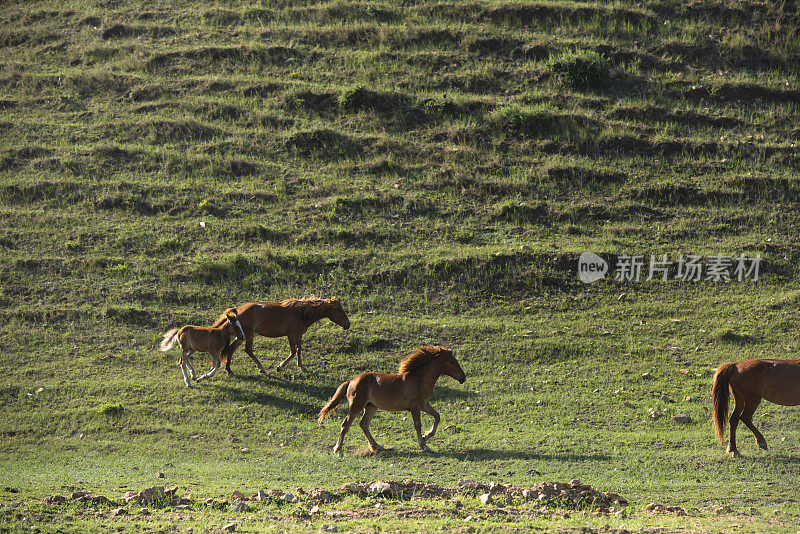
777,381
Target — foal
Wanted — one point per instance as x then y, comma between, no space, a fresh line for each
750,381
290,318
410,389
201,339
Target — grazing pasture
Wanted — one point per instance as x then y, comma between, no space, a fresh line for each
439,167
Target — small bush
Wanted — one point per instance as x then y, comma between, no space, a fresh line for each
581,69
112,410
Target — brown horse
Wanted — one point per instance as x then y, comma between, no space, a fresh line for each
410,389
290,318
201,339
777,381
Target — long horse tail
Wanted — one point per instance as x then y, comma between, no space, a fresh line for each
169,339
720,396
335,401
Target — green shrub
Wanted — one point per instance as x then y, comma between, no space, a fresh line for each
581,69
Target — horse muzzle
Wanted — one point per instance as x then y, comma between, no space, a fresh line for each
346,325
461,379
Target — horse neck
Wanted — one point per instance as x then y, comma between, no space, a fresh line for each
429,374
313,314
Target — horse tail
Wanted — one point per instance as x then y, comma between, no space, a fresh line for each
720,395
169,339
337,399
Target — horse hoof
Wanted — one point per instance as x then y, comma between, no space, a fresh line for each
763,445
230,373
734,454
262,371
279,368
426,449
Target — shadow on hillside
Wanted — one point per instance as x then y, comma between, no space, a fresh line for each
253,397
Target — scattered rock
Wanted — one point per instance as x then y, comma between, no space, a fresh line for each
181,506
230,527
320,496
160,474
77,495
529,494
682,418
494,487
290,497
262,495
238,495
575,483
241,506
664,398
170,492
379,488
130,496
486,498
100,499
752,510
453,428
55,499
645,375
465,482
9,489
144,511
723,510
186,499
148,495
628,404
118,512
314,509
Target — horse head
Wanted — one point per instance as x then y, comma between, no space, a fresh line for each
450,366
234,324
336,313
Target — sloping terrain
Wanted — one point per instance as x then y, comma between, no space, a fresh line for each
440,167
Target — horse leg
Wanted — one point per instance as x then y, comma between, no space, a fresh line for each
428,409
738,408
214,366
355,408
418,429
299,350
369,412
227,356
747,419
248,348
293,342
182,362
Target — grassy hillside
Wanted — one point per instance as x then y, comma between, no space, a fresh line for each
439,166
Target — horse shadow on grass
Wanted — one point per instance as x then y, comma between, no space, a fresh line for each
323,391
297,385
259,397
483,454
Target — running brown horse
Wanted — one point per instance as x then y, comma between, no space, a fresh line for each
290,318
202,339
408,390
777,381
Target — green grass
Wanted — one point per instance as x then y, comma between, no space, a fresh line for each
437,166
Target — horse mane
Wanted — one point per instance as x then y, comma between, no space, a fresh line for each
419,358
310,309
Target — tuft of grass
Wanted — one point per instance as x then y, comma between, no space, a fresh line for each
581,69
